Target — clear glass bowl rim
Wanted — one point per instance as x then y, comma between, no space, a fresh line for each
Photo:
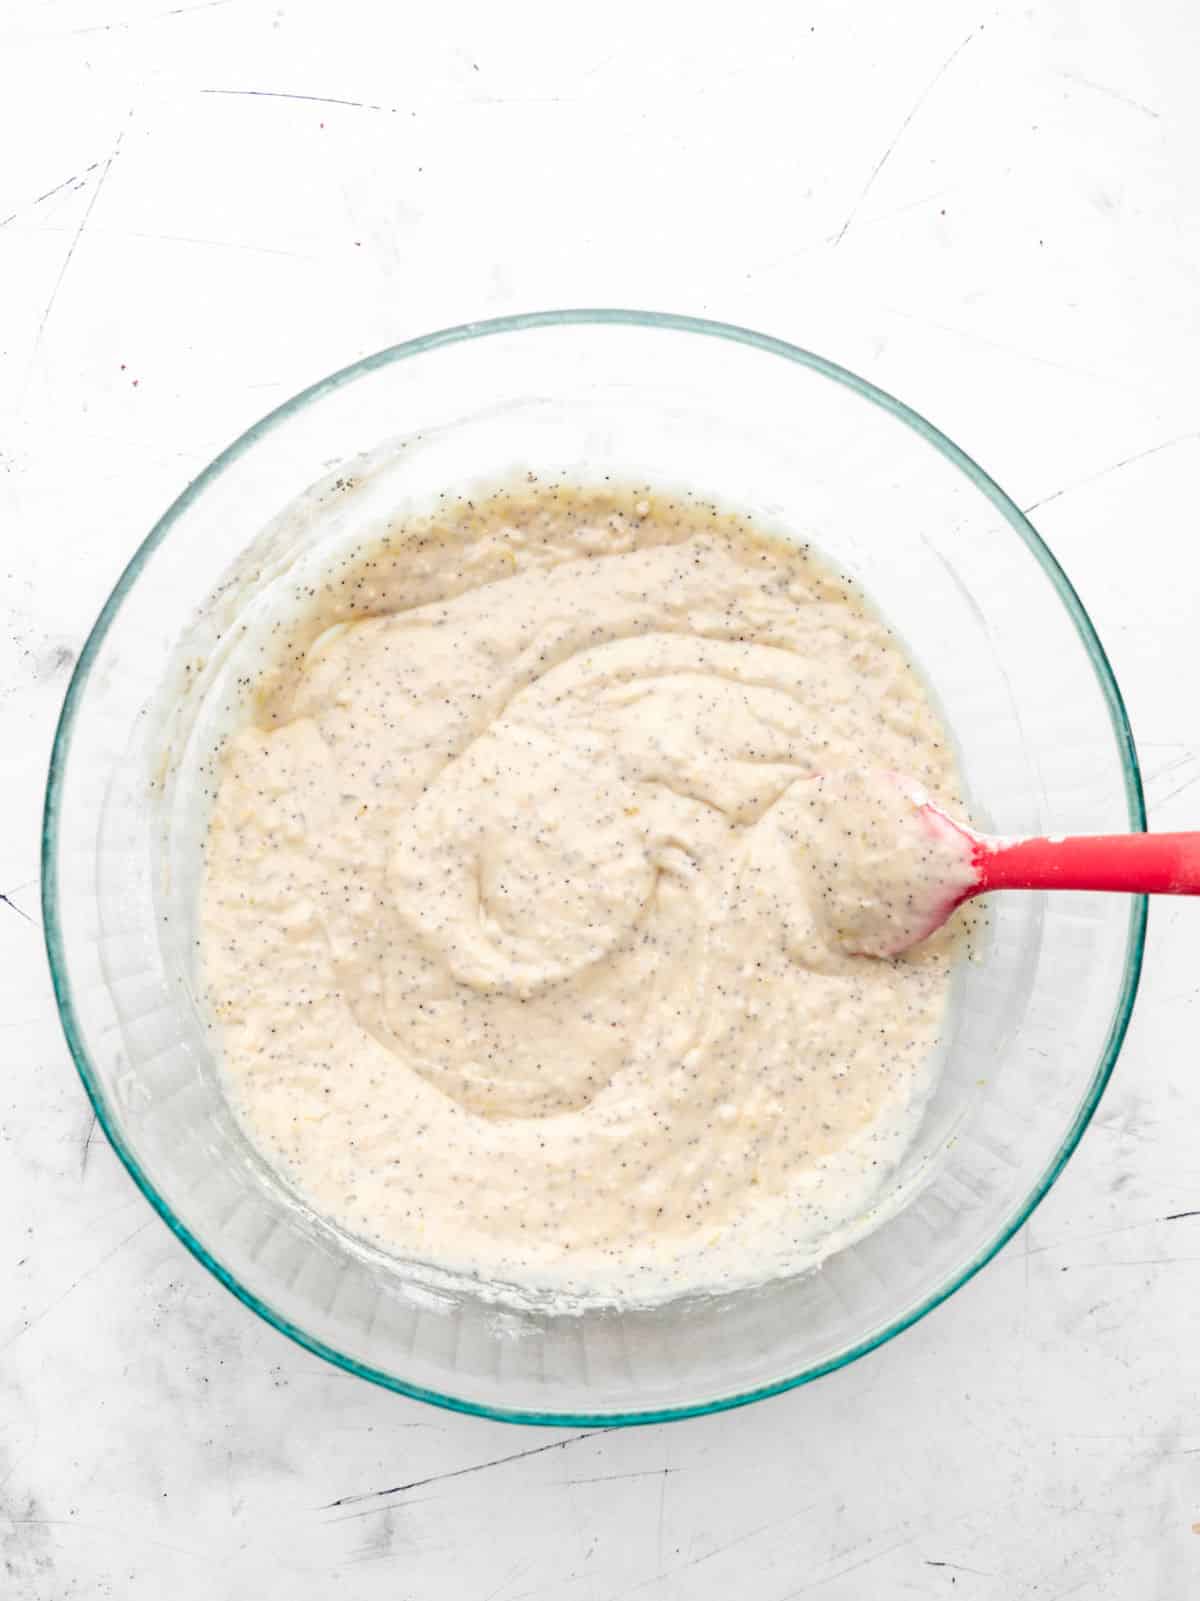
670,321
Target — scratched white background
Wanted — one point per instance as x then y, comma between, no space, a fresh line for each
992,211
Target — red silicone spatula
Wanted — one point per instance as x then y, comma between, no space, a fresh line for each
1132,864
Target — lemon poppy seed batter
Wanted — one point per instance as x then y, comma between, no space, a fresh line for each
519,924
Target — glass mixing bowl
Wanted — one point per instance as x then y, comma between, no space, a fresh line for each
806,446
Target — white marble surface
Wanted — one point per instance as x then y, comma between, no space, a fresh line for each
991,211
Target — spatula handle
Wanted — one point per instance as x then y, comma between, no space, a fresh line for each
1140,864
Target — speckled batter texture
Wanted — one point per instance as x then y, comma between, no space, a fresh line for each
512,924
886,869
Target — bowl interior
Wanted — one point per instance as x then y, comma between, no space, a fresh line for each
812,453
